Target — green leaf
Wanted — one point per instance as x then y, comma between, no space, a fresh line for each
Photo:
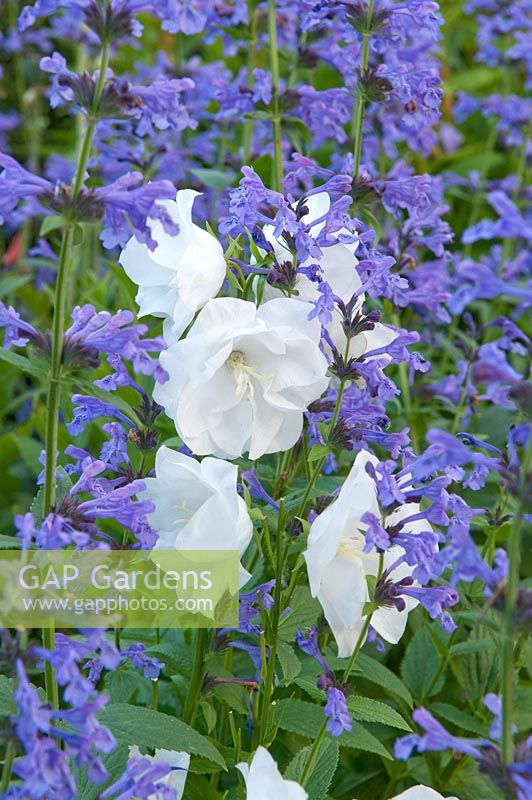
9,542
304,611
374,671
121,684
214,178
305,719
420,666
468,784
290,663
177,660
459,718
523,708
78,236
115,764
10,283
478,671
473,79
23,363
148,728
64,484
7,689
318,451
30,450
52,223
318,783
475,646
209,715
367,710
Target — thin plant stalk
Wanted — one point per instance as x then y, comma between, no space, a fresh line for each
58,325
194,692
248,122
312,756
273,628
360,103
277,176
510,607
311,760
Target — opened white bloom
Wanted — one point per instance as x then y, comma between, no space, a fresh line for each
197,506
243,376
182,273
421,793
338,567
179,763
265,782
338,268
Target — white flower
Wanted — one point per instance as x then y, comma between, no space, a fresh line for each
337,565
421,793
243,376
179,763
182,273
265,782
337,262
197,506
338,268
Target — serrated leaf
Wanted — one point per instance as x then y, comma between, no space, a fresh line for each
121,684
468,784
7,688
9,542
290,663
475,646
365,709
303,611
375,672
478,671
63,486
420,666
177,660
305,719
523,708
459,718
148,728
115,764
318,783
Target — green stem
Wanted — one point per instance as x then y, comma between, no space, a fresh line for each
54,378
507,679
311,760
345,677
155,700
510,605
54,388
277,176
462,402
58,325
509,243
7,767
319,464
196,683
50,682
478,196
360,102
248,123
272,629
